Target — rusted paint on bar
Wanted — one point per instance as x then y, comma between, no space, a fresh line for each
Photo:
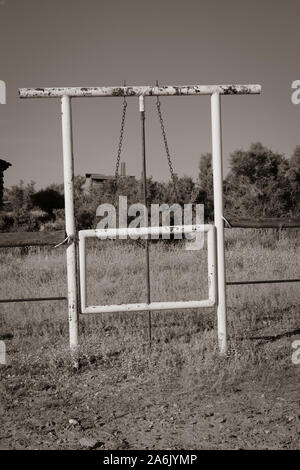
185,90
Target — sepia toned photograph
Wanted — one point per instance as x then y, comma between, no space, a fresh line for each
149,228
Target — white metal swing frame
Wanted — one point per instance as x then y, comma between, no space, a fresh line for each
142,231
66,94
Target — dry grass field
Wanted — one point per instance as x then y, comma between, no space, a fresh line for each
179,395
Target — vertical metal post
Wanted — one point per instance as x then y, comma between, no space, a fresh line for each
212,264
70,219
219,221
123,169
82,269
142,112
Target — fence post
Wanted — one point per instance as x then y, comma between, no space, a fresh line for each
66,117
218,214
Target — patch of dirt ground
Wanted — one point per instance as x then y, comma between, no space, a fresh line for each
103,410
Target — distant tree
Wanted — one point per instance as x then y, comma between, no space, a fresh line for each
257,184
256,164
295,158
206,193
59,187
20,195
47,200
186,188
78,186
293,176
20,198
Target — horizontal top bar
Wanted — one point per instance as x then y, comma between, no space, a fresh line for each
185,90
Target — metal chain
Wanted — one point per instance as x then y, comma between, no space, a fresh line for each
115,186
163,130
121,139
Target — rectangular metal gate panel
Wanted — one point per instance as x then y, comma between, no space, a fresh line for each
142,232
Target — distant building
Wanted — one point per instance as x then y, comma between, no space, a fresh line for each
93,179
3,166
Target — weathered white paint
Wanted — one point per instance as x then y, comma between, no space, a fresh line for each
218,214
142,231
78,92
3,359
141,103
2,92
67,140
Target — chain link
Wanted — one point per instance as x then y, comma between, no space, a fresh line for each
163,130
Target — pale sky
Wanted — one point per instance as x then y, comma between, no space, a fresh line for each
100,43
